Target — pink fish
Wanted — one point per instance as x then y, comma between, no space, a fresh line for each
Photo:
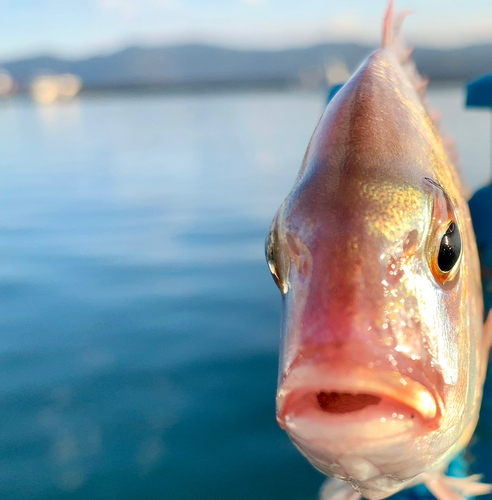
384,350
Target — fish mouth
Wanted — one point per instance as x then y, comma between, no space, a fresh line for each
315,402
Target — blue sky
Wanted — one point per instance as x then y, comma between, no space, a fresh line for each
80,28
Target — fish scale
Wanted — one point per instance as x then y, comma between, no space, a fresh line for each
384,352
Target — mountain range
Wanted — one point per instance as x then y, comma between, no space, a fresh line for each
197,65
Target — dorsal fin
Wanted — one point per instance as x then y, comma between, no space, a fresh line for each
393,41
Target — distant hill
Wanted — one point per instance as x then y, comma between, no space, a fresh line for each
198,65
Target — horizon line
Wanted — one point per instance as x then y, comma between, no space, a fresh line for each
108,52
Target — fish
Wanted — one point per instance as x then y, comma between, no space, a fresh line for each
384,348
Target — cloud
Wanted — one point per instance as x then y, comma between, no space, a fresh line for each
132,8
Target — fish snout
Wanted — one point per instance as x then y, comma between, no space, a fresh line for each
357,424
353,402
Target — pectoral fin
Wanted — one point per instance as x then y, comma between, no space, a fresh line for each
454,488
334,489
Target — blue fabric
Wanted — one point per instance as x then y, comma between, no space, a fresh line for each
481,446
481,212
333,92
479,92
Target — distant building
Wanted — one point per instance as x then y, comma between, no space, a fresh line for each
46,89
8,86
336,72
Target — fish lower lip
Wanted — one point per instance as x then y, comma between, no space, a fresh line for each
350,393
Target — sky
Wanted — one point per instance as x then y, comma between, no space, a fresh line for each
82,28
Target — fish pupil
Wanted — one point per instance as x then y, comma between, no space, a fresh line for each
450,249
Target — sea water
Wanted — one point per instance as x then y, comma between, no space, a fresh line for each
139,325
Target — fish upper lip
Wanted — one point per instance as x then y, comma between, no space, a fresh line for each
389,384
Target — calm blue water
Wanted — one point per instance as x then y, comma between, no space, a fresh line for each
139,324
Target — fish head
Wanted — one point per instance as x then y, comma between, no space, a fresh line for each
374,254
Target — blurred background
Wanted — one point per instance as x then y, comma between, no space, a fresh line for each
145,146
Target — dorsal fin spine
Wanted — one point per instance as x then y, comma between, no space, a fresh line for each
393,41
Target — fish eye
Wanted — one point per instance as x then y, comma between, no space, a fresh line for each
444,246
450,249
270,254
446,255
275,260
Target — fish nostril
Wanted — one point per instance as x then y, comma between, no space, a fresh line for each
293,246
411,242
343,402
306,268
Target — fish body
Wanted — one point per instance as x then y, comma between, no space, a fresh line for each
384,350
